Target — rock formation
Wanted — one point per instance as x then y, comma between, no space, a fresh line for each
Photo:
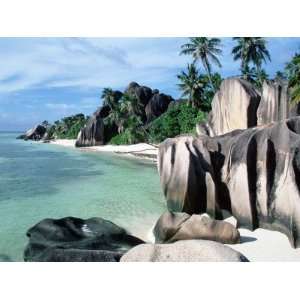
36,133
97,132
234,106
72,239
157,105
172,227
253,173
142,93
183,251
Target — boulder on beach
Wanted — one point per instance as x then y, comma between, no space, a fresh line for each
172,227
184,251
36,133
95,132
252,173
234,106
72,239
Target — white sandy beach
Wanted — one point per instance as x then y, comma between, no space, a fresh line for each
258,245
141,150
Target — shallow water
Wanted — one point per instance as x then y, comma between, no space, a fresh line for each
47,181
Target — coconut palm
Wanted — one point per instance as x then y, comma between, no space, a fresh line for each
108,97
130,105
250,50
206,50
293,73
191,85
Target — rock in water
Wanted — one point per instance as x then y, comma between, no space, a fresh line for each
172,227
73,239
36,133
234,106
184,251
252,173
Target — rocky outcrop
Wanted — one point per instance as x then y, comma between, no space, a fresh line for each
95,132
274,104
183,251
72,239
142,93
253,173
36,133
157,105
234,106
172,227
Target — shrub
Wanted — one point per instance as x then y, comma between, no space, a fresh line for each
180,118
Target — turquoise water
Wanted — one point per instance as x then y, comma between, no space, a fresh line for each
47,181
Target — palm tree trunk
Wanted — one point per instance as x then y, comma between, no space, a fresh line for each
205,64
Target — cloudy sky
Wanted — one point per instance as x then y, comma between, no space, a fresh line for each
48,78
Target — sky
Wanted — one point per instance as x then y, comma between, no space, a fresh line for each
50,78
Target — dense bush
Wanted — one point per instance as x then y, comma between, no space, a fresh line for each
180,118
128,137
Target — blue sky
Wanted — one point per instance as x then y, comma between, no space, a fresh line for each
49,78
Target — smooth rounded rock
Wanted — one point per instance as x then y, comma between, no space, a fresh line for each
184,251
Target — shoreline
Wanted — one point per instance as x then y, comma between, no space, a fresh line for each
140,151
260,245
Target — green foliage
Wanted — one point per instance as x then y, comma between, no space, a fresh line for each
250,50
293,74
206,50
179,119
67,128
197,88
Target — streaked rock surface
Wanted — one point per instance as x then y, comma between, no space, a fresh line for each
253,173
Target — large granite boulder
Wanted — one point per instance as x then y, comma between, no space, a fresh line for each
184,251
143,93
157,105
95,132
36,133
73,239
274,104
252,173
234,106
172,227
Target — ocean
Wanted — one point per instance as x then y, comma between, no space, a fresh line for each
40,181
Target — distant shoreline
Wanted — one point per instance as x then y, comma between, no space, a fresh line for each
140,151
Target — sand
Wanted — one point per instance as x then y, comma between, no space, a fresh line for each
141,150
258,245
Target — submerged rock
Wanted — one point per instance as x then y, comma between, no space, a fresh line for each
252,173
36,133
172,227
184,251
73,239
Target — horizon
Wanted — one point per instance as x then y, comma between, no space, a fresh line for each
50,78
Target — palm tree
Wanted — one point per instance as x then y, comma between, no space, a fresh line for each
191,85
250,49
108,97
131,105
205,49
293,73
